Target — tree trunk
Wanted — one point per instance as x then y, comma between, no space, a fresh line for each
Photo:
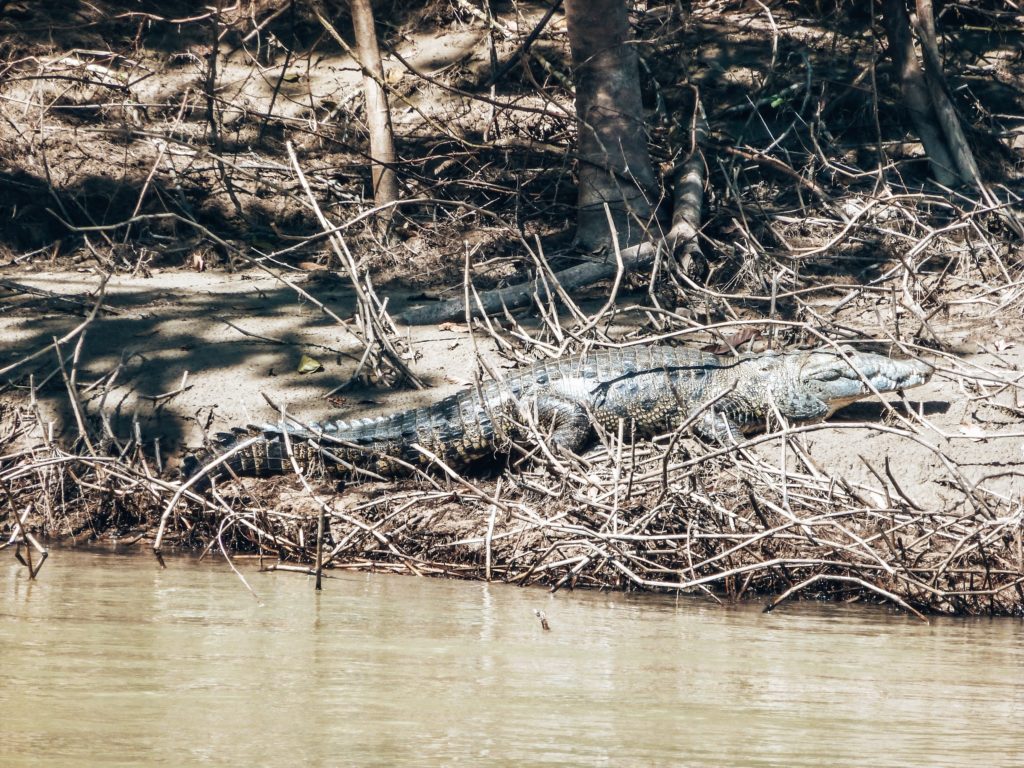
931,109
915,92
378,114
688,188
614,166
949,121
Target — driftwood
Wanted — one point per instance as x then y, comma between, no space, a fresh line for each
722,522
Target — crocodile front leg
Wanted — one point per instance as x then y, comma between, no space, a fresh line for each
716,427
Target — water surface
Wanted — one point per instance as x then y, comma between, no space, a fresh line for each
109,660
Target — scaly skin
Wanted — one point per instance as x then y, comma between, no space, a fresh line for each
653,389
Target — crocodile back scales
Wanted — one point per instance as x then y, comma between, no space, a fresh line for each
651,388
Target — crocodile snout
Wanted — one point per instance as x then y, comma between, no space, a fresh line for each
841,380
912,373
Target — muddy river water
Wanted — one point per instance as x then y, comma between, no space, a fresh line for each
109,660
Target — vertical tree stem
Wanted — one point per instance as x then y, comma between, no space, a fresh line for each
378,114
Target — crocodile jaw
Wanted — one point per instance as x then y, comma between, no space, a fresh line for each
834,380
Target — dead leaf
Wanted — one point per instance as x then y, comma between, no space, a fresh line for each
309,364
735,341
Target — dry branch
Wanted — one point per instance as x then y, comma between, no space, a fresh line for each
688,180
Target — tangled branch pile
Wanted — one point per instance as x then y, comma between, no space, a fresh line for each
725,522
676,514
819,221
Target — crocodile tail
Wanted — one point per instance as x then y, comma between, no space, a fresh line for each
440,427
245,452
457,428
260,451
365,431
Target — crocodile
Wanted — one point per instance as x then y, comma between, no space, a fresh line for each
650,389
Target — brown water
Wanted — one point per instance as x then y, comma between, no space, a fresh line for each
108,660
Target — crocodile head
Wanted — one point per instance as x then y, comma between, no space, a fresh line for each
838,380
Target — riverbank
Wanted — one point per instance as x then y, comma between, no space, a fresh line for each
189,245
916,503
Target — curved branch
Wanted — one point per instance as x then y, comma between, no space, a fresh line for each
682,238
